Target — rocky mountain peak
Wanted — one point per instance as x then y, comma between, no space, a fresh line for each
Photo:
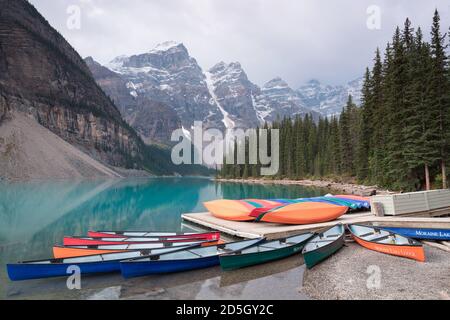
169,47
329,100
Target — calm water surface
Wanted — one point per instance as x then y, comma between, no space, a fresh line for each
34,216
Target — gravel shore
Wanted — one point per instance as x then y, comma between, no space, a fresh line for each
357,273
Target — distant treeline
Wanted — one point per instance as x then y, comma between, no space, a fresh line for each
400,136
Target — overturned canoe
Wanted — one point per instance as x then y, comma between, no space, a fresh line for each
384,241
238,210
89,241
421,233
189,259
103,263
301,213
276,211
323,245
60,252
263,252
160,235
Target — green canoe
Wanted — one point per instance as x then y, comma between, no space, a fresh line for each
264,252
323,245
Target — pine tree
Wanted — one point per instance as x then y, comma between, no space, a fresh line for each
363,148
438,92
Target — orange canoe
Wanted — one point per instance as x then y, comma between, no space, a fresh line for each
387,242
304,213
237,210
61,252
275,211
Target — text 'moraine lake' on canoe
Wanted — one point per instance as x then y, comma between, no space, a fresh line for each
90,241
421,233
384,241
323,245
190,259
265,251
162,235
275,211
93,264
60,252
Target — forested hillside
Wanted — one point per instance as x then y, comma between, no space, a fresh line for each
399,138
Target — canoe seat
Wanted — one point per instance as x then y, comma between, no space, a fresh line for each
380,238
367,234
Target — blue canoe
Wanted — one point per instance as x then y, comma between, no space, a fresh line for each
190,259
103,263
421,233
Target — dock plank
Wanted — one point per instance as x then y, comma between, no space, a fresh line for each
274,231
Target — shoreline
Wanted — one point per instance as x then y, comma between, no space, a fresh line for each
346,188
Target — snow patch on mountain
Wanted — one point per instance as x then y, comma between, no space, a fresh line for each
229,124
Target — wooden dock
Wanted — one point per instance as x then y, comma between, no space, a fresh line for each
273,231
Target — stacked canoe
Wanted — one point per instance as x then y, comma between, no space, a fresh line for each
284,211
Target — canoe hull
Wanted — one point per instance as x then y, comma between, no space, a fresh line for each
422,233
410,252
19,272
313,258
233,262
138,269
305,213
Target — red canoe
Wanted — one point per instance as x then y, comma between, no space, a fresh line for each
387,242
161,235
82,241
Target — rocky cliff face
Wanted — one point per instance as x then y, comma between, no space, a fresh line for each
154,121
42,75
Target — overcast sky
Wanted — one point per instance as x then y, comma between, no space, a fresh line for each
297,40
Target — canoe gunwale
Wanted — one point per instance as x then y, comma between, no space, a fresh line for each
121,234
57,261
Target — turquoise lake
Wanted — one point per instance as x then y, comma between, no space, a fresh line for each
36,215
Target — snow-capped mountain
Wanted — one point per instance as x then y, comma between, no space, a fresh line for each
168,74
167,84
329,100
277,100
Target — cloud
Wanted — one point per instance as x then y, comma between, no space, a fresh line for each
294,39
